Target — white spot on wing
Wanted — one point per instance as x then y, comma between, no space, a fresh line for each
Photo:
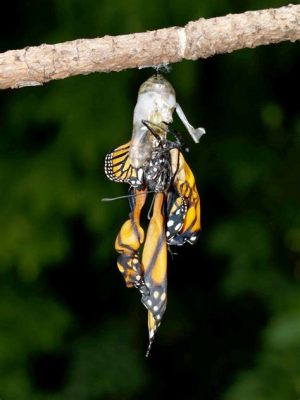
178,226
163,296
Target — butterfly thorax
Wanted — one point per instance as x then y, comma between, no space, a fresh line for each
158,172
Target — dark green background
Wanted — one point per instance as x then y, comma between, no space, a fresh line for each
69,329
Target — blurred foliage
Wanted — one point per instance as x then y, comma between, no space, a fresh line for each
68,326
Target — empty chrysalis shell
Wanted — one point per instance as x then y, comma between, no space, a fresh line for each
156,103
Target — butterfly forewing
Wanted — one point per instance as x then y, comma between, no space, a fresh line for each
154,264
118,167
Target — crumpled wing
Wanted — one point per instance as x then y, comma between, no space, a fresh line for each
186,209
128,242
154,265
176,211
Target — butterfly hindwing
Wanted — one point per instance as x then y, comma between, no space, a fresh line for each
185,186
175,221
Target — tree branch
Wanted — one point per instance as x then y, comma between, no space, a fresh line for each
198,39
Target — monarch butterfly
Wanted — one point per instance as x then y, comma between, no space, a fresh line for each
150,162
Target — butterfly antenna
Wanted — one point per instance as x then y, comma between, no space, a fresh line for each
150,209
106,199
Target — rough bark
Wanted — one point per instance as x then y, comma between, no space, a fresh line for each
198,39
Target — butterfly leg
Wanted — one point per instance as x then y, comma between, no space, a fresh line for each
179,140
128,242
151,127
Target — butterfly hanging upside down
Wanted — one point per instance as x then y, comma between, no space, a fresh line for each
151,163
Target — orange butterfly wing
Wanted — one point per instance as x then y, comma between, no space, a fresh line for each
128,242
185,213
154,265
118,168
